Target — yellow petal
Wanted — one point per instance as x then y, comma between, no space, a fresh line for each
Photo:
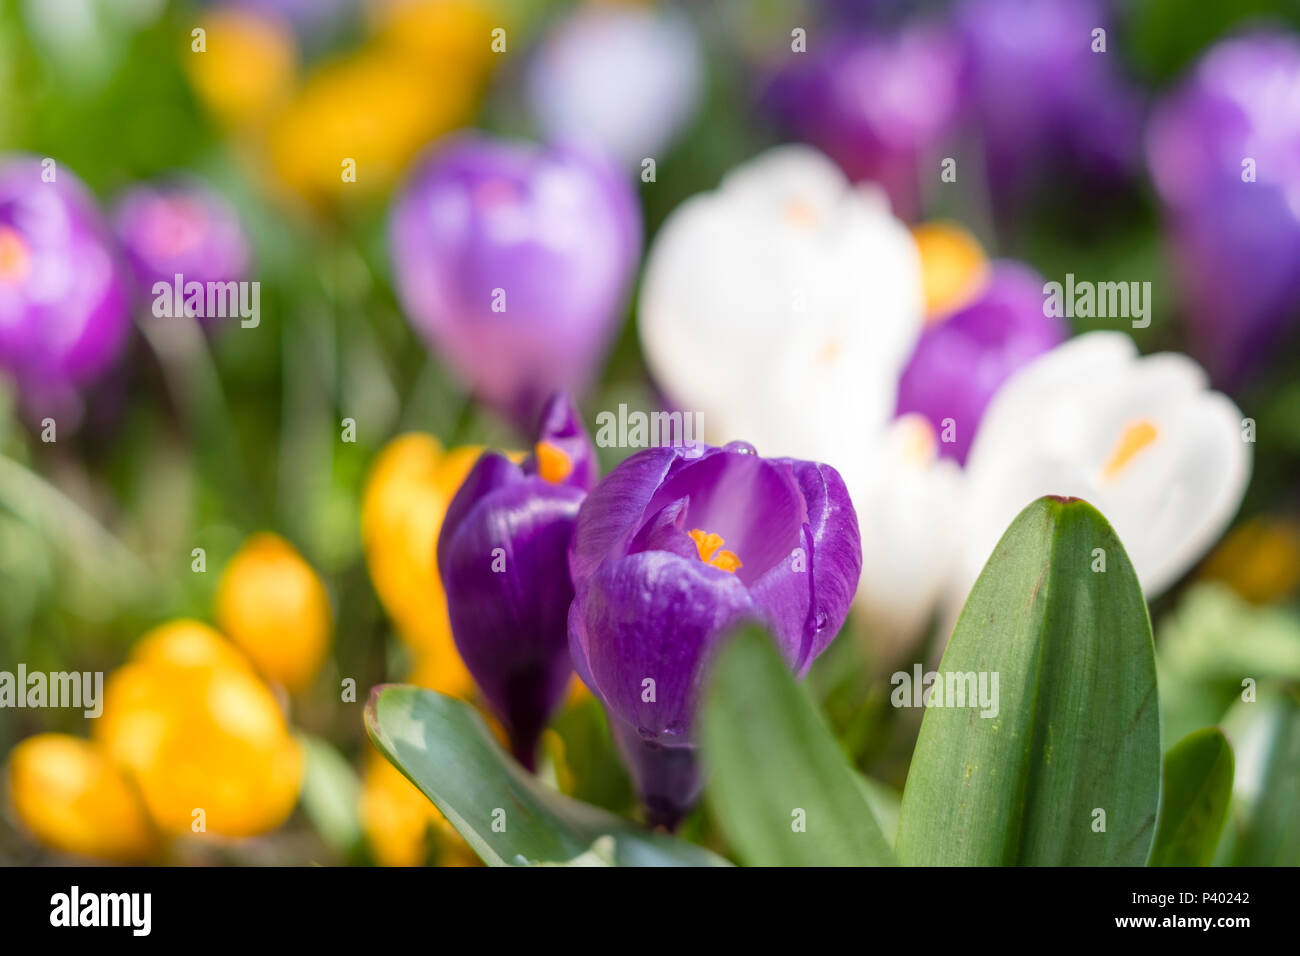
247,69
271,603
71,797
207,738
403,505
1259,559
953,267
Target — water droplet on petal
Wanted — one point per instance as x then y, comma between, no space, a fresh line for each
740,448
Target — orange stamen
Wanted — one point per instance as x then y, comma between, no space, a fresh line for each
708,544
552,463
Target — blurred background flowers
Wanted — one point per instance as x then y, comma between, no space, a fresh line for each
824,226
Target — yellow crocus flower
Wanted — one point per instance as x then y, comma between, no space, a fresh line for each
247,69
272,604
201,735
71,797
406,495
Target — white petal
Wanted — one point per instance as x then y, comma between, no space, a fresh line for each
784,303
1059,427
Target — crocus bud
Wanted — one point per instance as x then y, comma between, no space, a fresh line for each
272,604
181,232
961,360
1045,91
673,550
1226,163
823,98
514,262
63,298
501,555
71,797
201,734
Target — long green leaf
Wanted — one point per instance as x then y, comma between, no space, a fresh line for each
779,786
1194,802
1067,771
445,749
1266,787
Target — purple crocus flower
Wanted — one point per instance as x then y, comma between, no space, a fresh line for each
1224,150
180,228
514,261
878,104
1039,93
961,360
502,558
63,297
674,549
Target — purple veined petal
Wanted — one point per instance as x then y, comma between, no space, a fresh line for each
961,361
562,429
615,509
669,555
668,778
493,470
753,504
665,530
832,559
508,596
657,617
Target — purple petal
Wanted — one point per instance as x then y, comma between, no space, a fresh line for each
491,471
752,503
834,559
962,360
508,596
615,509
562,427
653,616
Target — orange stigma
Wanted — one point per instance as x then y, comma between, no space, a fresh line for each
707,544
552,463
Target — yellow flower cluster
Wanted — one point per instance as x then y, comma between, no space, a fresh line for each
356,120
192,740
405,499
406,496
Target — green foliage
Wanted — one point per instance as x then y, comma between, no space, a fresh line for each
1068,771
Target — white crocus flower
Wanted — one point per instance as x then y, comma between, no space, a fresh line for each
908,509
1142,439
782,306
620,78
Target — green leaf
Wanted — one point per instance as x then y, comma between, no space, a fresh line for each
779,786
1209,643
1266,787
1073,732
445,749
1194,804
330,794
